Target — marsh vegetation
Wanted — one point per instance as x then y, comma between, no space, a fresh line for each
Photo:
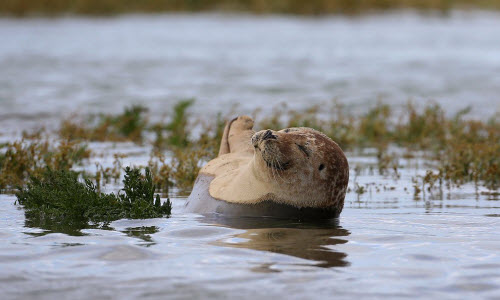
456,149
314,7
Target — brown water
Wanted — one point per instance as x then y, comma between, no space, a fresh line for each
387,243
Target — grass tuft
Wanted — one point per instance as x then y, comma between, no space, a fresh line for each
23,159
176,132
58,197
128,126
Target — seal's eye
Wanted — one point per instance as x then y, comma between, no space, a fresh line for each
321,167
287,130
304,149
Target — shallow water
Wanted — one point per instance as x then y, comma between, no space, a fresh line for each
387,243
393,252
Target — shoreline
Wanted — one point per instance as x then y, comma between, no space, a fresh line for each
314,9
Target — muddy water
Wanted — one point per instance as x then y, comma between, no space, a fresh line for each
387,243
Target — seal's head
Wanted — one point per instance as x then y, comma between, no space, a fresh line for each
308,168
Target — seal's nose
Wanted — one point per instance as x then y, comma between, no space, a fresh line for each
268,135
262,136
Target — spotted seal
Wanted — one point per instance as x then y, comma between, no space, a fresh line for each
291,173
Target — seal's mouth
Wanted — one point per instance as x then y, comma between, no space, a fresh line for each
272,159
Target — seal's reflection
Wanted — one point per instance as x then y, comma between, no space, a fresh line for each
307,240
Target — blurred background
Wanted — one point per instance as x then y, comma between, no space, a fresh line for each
59,57
312,7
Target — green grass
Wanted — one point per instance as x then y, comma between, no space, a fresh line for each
176,132
57,197
25,158
188,153
127,126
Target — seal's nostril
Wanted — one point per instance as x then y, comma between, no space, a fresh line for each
268,135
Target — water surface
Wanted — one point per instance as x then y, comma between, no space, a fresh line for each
386,244
53,67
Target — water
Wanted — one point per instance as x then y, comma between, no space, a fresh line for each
379,249
53,67
387,243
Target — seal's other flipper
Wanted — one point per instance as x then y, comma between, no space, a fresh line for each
224,143
237,135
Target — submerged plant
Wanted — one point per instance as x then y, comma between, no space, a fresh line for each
138,199
58,197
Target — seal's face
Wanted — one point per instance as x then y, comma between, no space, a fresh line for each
304,162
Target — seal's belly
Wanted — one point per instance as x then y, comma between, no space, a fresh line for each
201,202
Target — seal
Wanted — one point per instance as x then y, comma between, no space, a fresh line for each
291,173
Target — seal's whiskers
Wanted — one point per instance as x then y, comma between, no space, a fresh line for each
279,167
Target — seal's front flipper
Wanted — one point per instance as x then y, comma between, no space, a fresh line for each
237,136
224,144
